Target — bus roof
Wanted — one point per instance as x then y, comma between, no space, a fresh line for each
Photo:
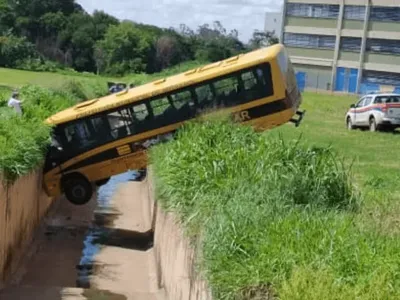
164,85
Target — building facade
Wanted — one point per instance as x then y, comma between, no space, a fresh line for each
344,45
273,22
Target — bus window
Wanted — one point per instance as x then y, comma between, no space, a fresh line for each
140,112
181,99
205,96
141,119
120,123
164,113
249,80
260,77
78,136
160,106
226,91
257,84
185,103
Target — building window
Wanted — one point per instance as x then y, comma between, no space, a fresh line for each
385,14
354,12
323,11
383,46
385,78
309,41
350,44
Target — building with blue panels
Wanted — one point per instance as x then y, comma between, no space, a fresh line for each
344,45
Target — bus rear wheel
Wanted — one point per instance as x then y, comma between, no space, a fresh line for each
77,189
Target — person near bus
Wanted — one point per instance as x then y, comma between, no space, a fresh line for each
16,103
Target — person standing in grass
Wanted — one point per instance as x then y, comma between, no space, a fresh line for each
15,102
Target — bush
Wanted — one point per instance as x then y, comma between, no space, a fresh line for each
38,65
14,49
5,93
24,140
268,212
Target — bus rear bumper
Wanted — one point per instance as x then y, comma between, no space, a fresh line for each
298,121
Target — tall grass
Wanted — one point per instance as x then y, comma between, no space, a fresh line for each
276,218
24,140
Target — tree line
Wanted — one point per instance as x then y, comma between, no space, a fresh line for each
46,35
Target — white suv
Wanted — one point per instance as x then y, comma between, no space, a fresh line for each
376,111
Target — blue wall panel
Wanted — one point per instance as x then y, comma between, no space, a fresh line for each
301,80
353,80
340,79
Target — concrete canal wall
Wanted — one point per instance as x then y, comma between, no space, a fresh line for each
175,257
22,207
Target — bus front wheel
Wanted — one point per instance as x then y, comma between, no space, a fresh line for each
77,189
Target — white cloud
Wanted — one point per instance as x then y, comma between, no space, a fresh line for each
243,15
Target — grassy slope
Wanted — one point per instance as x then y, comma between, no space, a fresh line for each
375,155
17,78
310,254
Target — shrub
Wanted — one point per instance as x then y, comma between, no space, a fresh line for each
38,65
24,140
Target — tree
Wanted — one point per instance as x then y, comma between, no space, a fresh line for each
167,51
124,49
263,39
101,22
214,43
100,59
15,49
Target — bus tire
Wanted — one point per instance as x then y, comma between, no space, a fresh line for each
77,189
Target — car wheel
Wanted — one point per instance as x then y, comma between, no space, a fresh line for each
78,190
350,125
372,125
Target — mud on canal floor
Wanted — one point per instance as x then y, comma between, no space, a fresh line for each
102,250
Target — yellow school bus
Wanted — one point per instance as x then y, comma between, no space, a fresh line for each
99,138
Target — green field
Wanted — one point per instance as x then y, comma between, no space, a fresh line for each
281,220
17,78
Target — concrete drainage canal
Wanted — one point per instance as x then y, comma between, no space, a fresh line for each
99,251
103,233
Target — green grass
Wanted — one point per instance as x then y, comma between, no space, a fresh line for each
18,78
280,215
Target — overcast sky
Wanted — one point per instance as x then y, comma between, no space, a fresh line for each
243,15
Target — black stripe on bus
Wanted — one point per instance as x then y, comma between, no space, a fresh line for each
253,113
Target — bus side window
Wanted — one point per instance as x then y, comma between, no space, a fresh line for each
185,103
227,91
163,112
183,98
78,135
257,84
249,80
120,122
205,96
160,106
140,115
